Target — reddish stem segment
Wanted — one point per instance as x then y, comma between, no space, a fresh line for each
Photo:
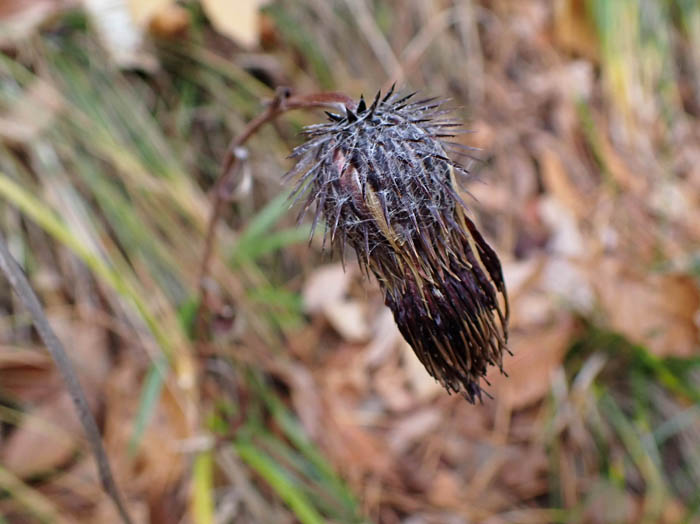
283,101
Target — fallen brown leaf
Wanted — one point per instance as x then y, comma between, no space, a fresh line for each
537,353
26,374
558,183
446,490
413,428
19,19
326,285
159,461
574,30
143,11
239,20
51,432
44,440
423,385
657,310
390,383
348,319
355,448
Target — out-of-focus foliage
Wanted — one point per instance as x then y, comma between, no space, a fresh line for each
305,404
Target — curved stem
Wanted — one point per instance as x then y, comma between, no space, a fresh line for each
283,101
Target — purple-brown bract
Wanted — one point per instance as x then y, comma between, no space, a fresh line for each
382,179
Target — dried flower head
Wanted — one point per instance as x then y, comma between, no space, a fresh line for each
383,181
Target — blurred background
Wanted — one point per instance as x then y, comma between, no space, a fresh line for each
301,402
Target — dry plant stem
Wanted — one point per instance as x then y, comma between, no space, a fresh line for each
29,299
283,101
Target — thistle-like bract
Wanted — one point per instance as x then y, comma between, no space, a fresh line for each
382,179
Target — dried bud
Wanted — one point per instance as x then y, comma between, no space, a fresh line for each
382,179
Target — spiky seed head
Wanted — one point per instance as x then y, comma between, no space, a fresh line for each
382,179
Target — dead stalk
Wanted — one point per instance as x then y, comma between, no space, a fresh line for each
30,301
283,101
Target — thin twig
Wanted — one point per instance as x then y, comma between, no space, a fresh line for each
283,101
27,296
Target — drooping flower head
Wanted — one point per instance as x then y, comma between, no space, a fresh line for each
382,179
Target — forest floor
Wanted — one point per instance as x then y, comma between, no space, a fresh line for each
302,402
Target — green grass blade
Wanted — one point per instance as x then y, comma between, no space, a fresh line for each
270,243
55,227
326,477
641,456
260,224
150,394
279,481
